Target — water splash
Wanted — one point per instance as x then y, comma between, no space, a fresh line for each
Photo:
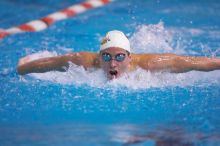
151,38
139,79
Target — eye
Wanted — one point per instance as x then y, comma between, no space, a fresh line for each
120,57
106,57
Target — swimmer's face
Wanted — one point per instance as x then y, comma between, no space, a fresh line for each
114,61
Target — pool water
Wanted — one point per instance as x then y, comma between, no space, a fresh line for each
81,107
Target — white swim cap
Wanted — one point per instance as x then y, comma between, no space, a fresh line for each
115,38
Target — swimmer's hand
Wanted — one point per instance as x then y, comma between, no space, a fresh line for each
29,64
34,64
178,64
24,60
35,56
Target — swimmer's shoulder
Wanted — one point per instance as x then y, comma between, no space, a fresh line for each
139,58
87,59
92,59
142,60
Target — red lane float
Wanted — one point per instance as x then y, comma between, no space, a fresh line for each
3,34
45,22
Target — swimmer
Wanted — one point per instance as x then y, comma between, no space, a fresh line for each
115,58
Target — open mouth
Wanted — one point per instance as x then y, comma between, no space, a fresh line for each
113,72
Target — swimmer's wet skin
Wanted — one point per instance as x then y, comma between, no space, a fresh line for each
115,58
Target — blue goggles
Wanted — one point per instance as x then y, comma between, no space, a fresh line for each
118,57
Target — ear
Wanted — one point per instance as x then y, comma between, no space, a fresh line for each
129,55
100,58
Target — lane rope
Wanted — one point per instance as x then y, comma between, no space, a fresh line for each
45,22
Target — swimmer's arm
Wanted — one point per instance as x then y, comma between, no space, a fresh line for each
179,64
58,63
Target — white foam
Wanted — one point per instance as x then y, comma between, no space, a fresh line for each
74,75
139,79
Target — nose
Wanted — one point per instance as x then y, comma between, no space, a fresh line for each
113,63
